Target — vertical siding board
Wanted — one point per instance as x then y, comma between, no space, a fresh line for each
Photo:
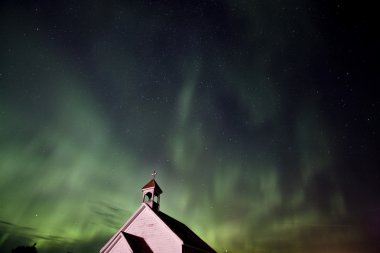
121,246
108,246
156,234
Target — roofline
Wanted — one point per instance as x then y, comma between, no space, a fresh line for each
143,206
142,189
126,224
155,185
178,238
119,237
186,244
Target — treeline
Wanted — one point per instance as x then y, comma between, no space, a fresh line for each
27,249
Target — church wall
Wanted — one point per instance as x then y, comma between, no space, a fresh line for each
121,246
156,234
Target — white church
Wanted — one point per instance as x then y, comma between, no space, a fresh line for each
150,230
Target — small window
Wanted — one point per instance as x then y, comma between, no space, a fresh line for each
147,197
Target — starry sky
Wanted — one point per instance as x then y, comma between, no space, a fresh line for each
260,117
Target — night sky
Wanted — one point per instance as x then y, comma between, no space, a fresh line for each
261,119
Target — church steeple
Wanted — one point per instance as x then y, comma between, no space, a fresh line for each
151,193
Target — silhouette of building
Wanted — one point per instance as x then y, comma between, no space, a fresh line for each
150,230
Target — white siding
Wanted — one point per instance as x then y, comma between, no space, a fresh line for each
156,234
121,246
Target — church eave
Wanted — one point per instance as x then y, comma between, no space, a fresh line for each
152,184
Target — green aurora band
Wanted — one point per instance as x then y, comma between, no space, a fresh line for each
246,153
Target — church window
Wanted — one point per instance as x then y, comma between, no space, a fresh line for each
147,197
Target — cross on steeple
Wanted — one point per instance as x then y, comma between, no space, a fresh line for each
154,174
151,193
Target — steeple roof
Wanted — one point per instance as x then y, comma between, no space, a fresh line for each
152,184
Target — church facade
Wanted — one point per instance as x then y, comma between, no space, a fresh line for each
150,230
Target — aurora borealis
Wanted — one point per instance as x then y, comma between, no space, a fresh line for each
260,117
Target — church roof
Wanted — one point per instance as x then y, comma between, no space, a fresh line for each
152,183
149,225
188,237
137,243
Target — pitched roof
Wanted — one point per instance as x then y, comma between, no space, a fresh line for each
137,244
188,237
152,183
